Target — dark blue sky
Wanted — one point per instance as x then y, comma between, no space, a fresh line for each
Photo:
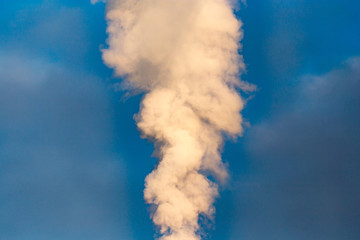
72,163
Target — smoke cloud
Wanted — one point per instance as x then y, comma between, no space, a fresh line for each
184,55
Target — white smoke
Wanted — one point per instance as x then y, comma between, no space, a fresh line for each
184,55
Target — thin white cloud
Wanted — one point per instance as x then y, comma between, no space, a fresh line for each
96,1
23,70
305,163
60,179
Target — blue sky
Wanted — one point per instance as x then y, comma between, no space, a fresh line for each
72,163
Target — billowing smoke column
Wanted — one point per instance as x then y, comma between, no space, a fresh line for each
184,55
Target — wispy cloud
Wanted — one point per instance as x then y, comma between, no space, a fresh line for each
59,178
306,162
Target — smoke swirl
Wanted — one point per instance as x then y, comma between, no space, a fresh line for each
184,55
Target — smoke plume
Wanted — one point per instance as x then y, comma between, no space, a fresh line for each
184,55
